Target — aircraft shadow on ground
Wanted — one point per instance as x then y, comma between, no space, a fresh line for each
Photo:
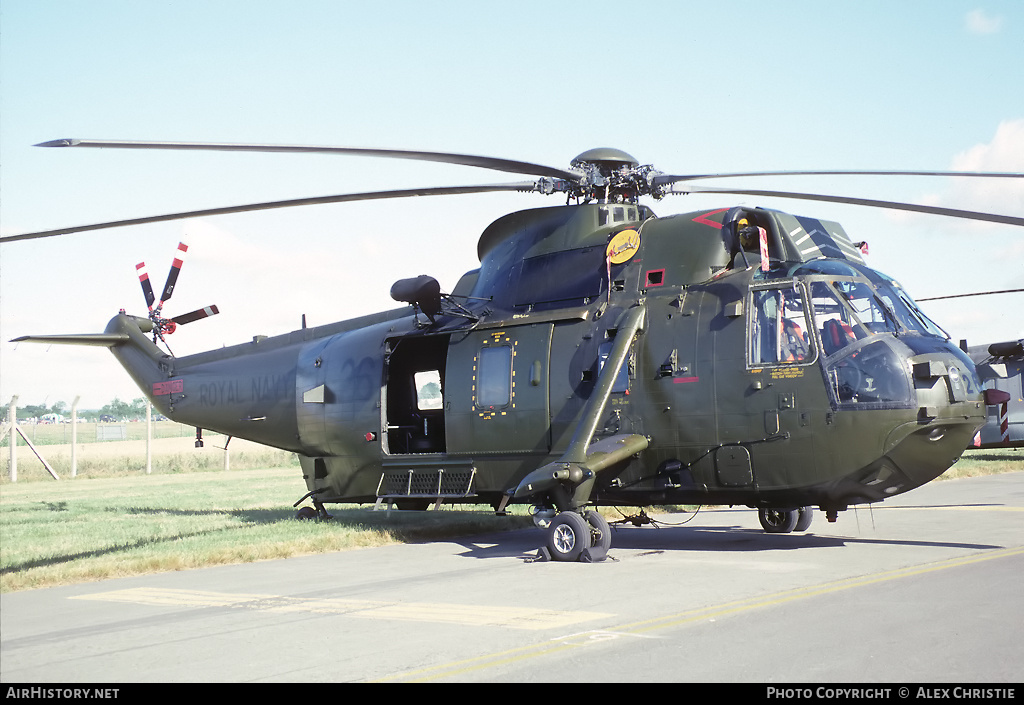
521,543
722,539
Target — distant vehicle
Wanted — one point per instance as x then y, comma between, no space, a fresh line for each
999,366
51,418
107,418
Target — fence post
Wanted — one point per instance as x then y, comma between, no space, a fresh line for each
149,438
74,436
12,417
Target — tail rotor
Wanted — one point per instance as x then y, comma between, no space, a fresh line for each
165,326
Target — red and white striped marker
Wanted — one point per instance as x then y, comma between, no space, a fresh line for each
1004,422
147,287
172,276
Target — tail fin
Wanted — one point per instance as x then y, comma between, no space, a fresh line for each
125,336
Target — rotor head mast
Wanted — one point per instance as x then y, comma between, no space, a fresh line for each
610,175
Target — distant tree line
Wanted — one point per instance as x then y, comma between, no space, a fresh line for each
116,410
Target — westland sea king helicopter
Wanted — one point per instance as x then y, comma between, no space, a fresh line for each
600,355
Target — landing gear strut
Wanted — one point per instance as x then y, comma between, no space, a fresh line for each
317,511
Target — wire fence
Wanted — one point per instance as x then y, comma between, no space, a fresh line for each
47,434
67,448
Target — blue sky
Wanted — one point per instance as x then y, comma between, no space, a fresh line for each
687,86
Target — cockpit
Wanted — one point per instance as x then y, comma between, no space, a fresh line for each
858,324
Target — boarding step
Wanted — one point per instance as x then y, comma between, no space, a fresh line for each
426,482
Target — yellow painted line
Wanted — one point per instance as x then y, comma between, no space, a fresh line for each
813,591
501,658
479,663
443,613
455,669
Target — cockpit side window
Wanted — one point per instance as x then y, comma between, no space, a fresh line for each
779,330
876,315
909,313
903,308
837,325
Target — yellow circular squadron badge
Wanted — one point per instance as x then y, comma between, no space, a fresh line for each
623,246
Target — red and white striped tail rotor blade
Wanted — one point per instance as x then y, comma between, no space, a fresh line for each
172,276
196,315
147,287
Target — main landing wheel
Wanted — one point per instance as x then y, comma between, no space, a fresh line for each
306,514
778,521
803,523
568,536
600,532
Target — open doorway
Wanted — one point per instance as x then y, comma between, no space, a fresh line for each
414,399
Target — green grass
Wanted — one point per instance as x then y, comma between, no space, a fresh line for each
93,529
986,461
171,453
132,464
111,522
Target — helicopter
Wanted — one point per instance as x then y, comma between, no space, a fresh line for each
600,355
1000,366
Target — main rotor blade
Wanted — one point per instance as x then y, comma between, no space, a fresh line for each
524,186
508,165
894,205
977,293
666,179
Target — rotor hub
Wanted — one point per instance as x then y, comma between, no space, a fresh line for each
606,158
611,176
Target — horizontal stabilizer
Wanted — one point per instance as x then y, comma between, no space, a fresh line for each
103,340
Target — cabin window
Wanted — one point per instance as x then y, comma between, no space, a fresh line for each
494,377
428,390
779,328
571,275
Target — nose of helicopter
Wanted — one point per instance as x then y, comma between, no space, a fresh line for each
950,410
946,409
916,453
927,449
